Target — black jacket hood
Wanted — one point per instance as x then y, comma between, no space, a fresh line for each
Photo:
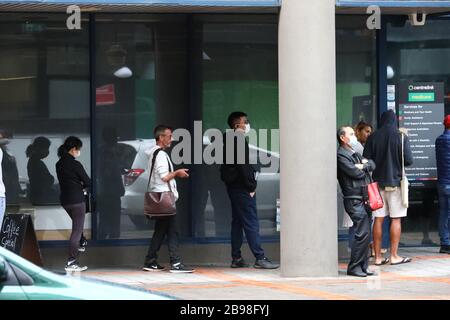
388,119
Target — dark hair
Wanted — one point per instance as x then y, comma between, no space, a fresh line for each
4,133
361,125
38,147
341,132
69,143
159,130
234,117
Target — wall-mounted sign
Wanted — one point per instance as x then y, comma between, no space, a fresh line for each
421,110
105,95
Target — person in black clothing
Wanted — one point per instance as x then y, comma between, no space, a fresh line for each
72,180
384,147
352,171
110,186
42,188
10,171
240,179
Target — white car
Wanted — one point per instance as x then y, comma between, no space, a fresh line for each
136,181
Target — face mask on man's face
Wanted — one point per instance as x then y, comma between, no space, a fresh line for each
353,142
247,128
4,141
77,153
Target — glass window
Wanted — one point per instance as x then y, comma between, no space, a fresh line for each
236,69
141,81
355,81
44,85
419,55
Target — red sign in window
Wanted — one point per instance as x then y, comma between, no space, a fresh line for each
105,95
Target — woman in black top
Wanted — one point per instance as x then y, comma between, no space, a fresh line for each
72,180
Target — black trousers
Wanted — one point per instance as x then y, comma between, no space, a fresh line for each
77,213
359,259
109,209
164,226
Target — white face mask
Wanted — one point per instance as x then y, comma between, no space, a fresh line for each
353,142
77,153
247,128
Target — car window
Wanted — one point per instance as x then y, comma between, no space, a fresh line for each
126,154
22,277
11,279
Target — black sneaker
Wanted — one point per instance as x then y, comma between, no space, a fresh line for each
265,263
153,266
83,245
445,249
239,263
180,268
73,266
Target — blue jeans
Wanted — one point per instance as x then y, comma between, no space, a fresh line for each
2,209
244,219
444,214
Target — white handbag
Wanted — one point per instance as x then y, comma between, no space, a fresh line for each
404,184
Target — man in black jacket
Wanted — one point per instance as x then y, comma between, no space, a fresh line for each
384,147
240,178
352,171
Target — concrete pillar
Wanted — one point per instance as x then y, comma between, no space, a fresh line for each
307,83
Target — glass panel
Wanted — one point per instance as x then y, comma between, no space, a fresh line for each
419,55
236,66
44,85
355,81
141,81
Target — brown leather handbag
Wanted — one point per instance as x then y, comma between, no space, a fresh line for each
159,204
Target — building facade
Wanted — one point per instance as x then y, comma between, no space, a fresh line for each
303,67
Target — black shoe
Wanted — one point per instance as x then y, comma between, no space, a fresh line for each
445,249
357,274
239,263
265,263
153,266
369,273
180,268
73,266
83,245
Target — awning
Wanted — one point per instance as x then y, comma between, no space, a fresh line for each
143,5
394,7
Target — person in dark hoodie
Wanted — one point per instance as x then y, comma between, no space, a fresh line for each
384,147
239,176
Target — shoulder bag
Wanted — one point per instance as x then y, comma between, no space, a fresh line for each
159,204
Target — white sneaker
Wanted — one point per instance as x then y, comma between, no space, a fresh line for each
74,267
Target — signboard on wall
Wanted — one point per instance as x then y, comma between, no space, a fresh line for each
17,235
105,95
362,109
421,110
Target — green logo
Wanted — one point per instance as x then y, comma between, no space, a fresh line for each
421,97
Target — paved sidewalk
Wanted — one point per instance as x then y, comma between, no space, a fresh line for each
426,277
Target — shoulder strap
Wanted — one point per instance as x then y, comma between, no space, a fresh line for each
403,156
153,164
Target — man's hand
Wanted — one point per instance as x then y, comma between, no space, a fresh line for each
360,166
364,161
404,131
252,194
182,173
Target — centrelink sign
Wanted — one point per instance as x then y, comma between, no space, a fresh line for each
421,93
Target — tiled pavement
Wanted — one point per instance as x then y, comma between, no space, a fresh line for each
426,277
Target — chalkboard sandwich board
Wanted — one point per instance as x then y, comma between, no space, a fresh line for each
17,235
